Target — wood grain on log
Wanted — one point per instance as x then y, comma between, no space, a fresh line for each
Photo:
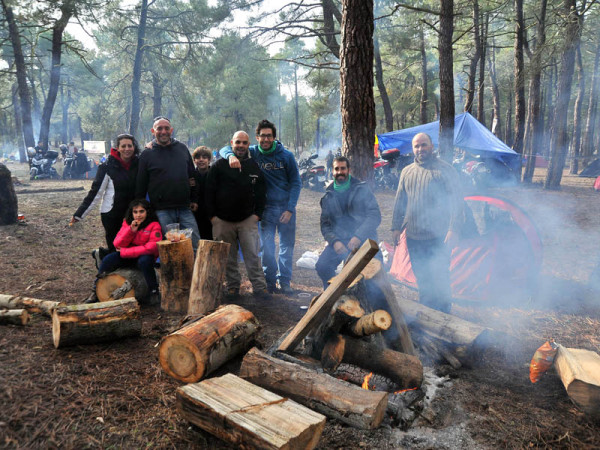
122,283
32,305
333,352
176,268
208,276
579,370
96,322
335,398
369,324
197,349
14,317
249,416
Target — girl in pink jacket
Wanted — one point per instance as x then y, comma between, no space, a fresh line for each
136,246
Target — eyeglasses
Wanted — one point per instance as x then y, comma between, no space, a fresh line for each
265,136
157,118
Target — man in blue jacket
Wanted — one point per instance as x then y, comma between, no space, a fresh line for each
349,216
283,189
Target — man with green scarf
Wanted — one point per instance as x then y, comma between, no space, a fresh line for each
349,215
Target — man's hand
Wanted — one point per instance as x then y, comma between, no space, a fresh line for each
451,239
194,206
353,243
396,236
234,163
285,217
339,248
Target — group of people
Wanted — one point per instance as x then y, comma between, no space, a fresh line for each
249,196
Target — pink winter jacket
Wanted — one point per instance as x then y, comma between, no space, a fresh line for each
141,242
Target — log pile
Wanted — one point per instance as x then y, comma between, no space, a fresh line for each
32,305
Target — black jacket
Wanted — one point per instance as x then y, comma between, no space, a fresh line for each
235,195
166,173
359,216
114,187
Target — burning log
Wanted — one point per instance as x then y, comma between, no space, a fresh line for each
333,352
97,322
334,398
14,317
32,305
437,350
122,283
248,416
579,371
204,345
208,276
176,268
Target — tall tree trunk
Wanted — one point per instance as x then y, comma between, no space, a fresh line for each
21,69
134,116
587,147
18,123
318,134
474,60
519,79
576,139
157,90
497,119
297,112
482,53
424,80
559,141
385,99
534,132
356,86
549,107
508,137
446,137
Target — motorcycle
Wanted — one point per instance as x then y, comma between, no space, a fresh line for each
40,165
311,175
76,165
386,170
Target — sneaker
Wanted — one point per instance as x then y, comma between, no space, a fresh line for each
286,289
272,288
232,294
97,258
93,298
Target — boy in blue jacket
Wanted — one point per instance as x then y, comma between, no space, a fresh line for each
283,189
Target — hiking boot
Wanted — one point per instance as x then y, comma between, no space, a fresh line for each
286,289
153,298
93,298
272,288
232,294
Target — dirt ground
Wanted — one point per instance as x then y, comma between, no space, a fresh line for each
116,395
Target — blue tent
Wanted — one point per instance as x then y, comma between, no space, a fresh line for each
469,135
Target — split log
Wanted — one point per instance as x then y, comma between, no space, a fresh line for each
335,398
14,317
333,352
32,305
96,322
579,371
176,268
249,416
200,347
122,283
208,276
318,312
404,370
369,324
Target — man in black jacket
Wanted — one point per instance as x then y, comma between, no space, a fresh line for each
235,201
349,215
166,174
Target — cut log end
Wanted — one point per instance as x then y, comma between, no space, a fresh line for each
109,284
181,359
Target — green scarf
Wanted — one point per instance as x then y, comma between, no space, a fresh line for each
342,187
268,152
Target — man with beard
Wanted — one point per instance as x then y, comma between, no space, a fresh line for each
428,206
235,202
349,215
166,175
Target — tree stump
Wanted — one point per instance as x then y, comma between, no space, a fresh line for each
122,283
14,317
97,322
208,276
204,345
176,268
8,198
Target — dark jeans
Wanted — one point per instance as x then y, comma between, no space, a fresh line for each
112,225
430,260
328,262
145,263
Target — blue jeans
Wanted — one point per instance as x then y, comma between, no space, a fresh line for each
184,217
269,225
328,262
145,263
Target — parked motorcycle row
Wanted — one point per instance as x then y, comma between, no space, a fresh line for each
76,166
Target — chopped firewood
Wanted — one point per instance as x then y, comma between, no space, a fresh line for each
317,313
202,346
176,269
372,323
208,276
333,352
96,322
333,397
32,305
249,416
14,317
579,370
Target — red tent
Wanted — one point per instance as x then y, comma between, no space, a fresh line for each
501,255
